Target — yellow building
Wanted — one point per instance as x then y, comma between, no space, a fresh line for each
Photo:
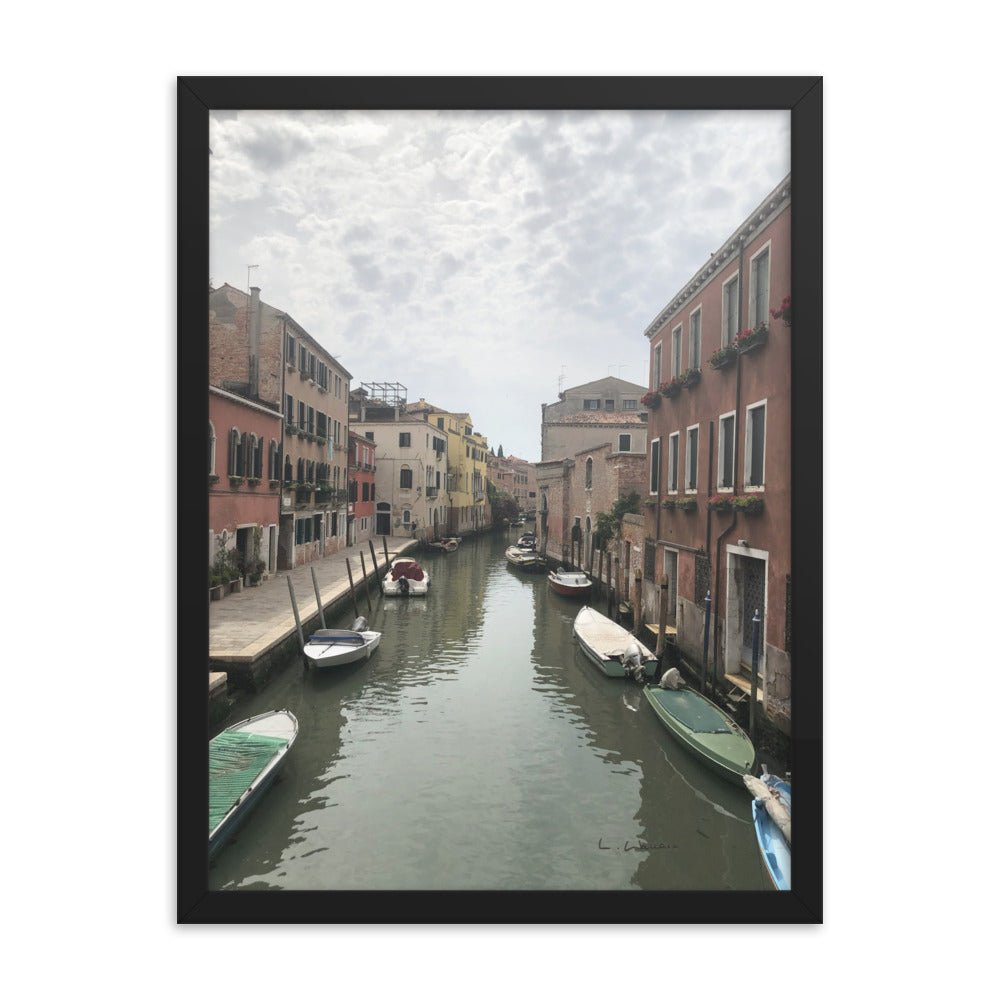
468,510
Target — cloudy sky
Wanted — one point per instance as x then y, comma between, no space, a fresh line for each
483,259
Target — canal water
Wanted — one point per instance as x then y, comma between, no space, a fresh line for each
479,749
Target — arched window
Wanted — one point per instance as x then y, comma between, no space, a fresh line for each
590,473
288,468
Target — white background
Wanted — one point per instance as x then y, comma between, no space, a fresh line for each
89,275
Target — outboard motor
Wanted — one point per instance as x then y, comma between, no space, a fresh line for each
360,624
672,679
404,586
632,662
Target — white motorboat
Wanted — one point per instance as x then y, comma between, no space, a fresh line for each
612,648
406,578
338,647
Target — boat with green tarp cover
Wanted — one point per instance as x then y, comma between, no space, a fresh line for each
704,729
243,761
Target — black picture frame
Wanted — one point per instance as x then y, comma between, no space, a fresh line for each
196,98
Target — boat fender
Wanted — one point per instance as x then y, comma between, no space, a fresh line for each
360,624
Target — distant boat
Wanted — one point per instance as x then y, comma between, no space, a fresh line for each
339,647
613,649
406,578
524,558
570,583
527,541
772,821
443,545
703,728
243,762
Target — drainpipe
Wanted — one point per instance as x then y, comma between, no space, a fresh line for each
736,452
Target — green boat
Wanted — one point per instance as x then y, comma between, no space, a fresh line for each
704,729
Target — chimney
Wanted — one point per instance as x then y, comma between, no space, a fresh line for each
254,313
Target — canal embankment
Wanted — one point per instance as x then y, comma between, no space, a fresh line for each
254,632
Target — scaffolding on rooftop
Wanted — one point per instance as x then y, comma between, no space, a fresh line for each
385,393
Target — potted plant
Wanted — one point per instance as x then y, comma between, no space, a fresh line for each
691,377
235,480
290,428
686,503
720,502
256,566
668,503
212,479
749,339
253,481
649,503
723,357
784,311
749,503
652,399
215,589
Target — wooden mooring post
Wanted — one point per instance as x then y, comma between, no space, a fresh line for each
371,548
319,602
600,572
364,577
350,580
295,611
385,549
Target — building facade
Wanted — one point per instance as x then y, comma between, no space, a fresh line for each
243,506
361,488
411,462
719,444
260,352
563,435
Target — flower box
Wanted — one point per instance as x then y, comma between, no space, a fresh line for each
649,503
719,502
274,483
691,378
672,388
290,428
212,479
253,481
651,400
687,503
749,339
784,311
669,503
235,480
750,503
723,357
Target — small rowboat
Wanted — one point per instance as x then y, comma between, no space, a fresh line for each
243,762
406,578
569,583
338,647
772,821
443,545
702,727
612,648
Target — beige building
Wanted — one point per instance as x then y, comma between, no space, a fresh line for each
596,413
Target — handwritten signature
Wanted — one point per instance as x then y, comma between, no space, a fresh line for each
638,846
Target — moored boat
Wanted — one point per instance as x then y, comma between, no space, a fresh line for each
243,761
700,726
524,558
339,647
405,578
612,648
570,583
527,541
772,821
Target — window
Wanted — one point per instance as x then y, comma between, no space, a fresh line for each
289,409
657,365
405,478
440,421
673,447
629,404
624,442
691,460
727,440
760,279
288,469
609,405
404,439
591,404
406,517
589,481
675,353
235,461
312,367
654,466
290,349
694,340
302,415
303,359
311,420
754,465
370,435
730,310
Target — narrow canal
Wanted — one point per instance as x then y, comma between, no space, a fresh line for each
479,749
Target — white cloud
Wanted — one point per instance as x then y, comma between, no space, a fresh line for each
476,257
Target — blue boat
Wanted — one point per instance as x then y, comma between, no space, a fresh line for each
243,762
772,821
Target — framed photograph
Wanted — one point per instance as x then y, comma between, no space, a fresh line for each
598,667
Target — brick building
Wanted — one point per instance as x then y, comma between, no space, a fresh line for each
720,437
261,353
